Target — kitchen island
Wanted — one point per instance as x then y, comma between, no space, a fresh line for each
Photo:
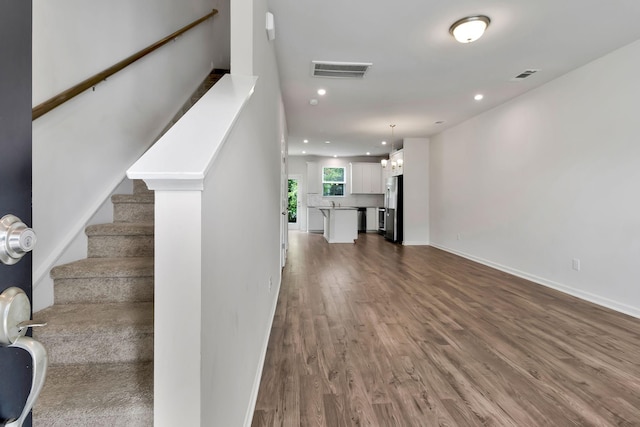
340,224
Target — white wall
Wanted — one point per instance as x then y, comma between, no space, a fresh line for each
221,35
242,220
416,191
82,149
548,177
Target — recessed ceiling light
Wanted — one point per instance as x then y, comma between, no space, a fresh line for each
313,101
478,97
469,29
322,92
327,142
335,155
304,152
306,141
368,153
384,142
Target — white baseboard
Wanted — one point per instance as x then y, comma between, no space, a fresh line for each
587,296
248,418
416,243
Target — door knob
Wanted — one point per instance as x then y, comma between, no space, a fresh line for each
16,239
15,312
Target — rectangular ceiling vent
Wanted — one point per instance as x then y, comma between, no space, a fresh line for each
523,75
340,70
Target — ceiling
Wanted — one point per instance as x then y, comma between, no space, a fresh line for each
420,74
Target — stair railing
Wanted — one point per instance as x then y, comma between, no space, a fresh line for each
177,168
92,81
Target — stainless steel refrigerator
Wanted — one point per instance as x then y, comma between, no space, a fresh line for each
393,209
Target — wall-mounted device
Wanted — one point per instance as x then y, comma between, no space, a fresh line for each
271,27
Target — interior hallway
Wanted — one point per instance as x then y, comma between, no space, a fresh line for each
384,335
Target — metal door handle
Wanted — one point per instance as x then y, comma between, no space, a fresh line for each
30,324
16,239
15,311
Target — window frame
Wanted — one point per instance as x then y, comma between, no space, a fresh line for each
343,183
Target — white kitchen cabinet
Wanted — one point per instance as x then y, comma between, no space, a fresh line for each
314,181
356,178
386,173
372,219
315,220
375,178
340,224
366,178
396,163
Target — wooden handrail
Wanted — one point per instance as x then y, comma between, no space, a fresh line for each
63,97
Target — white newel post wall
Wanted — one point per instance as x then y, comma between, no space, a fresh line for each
177,307
176,168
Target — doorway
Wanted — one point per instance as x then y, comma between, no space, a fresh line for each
293,203
16,365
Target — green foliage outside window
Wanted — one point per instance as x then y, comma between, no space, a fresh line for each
333,181
333,175
333,189
293,200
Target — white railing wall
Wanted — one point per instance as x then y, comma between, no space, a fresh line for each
216,277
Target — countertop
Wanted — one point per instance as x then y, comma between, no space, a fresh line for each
343,207
337,208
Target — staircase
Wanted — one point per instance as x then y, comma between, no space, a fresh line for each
99,335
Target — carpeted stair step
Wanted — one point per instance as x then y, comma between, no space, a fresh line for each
97,280
97,333
96,395
133,207
140,187
120,240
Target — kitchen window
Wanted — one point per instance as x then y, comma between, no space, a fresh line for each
333,181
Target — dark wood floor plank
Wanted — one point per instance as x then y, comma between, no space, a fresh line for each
262,418
335,410
311,401
383,335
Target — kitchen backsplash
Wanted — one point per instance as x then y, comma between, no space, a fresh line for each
358,200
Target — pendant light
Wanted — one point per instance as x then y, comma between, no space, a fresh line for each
383,162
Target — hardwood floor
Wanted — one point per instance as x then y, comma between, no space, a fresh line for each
383,335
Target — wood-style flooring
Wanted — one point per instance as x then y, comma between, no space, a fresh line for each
376,334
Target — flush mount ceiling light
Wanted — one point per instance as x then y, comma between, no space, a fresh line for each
469,29
322,92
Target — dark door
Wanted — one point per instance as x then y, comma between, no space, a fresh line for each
15,181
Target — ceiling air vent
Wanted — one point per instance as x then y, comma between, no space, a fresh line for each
523,75
341,70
